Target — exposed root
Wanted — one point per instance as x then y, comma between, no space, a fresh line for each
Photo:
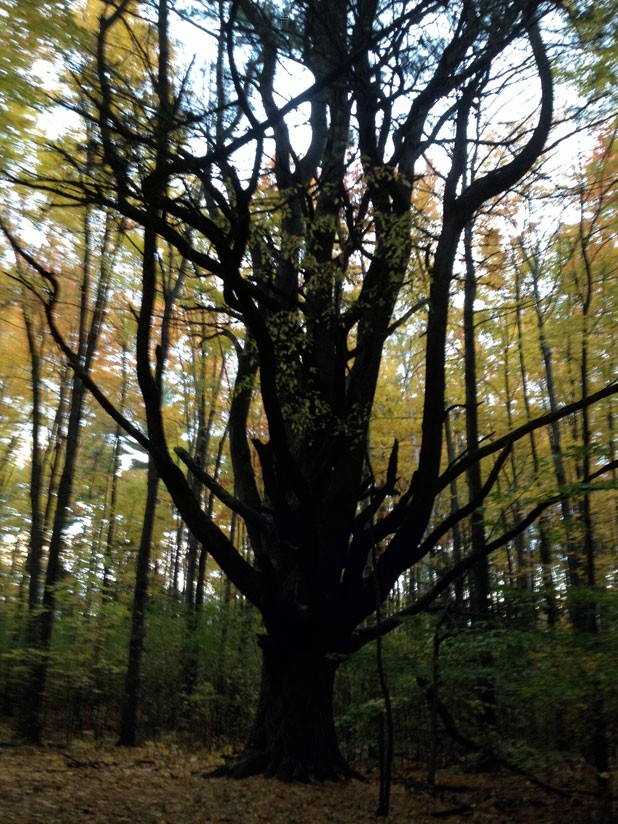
284,768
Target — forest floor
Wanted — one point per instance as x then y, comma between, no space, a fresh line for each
156,784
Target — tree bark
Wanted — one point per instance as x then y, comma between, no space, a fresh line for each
131,701
37,538
480,599
293,736
567,510
457,533
545,548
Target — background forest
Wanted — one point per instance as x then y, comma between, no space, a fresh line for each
119,618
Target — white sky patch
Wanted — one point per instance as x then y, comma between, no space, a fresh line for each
57,121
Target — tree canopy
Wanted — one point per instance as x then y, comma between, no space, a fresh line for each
327,208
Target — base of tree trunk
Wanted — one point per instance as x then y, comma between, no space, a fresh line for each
284,768
293,737
287,768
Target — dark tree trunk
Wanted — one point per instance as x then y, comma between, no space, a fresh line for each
480,590
37,538
132,686
40,624
575,571
545,548
457,533
293,736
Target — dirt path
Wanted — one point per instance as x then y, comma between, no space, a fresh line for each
156,784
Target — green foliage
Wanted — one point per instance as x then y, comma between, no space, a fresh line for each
593,64
200,667
33,34
545,690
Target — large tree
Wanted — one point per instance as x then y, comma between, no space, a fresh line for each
318,182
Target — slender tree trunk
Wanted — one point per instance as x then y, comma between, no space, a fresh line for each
40,623
221,665
35,550
112,505
480,596
131,700
92,306
601,745
155,279
54,451
523,578
574,566
387,727
110,538
32,574
545,550
457,536
196,552
480,589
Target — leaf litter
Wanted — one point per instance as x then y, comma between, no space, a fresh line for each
156,784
